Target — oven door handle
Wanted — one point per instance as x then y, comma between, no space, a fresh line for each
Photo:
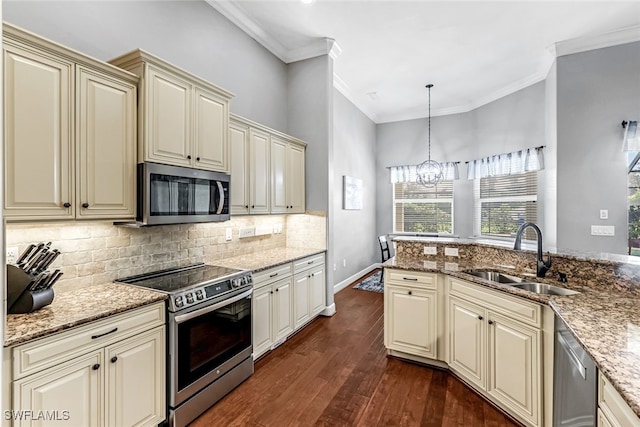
184,317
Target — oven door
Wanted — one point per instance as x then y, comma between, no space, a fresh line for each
206,342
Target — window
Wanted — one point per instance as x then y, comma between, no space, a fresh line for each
634,213
504,203
421,209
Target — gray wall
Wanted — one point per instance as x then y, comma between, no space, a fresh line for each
354,237
596,90
511,123
189,34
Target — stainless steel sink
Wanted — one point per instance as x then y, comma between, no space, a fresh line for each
495,276
520,283
543,288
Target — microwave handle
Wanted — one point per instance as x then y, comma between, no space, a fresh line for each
221,199
184,317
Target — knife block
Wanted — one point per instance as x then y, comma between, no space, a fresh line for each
19,298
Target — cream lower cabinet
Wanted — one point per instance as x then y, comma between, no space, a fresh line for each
285,299
119,381
495,343
309,286
70,133
613,411
411,321
184,120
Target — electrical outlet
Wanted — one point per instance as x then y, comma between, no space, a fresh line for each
604,214
344,262
451,251
335,267
12,254
228,234
430,250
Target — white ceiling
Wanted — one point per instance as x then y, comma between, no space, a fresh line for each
473,52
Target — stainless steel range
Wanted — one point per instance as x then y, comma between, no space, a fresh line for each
209,334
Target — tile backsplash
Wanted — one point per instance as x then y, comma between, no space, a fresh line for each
99,252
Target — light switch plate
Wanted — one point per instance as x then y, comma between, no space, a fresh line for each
430,250
603,230
228,234
604,214
247,232
451,251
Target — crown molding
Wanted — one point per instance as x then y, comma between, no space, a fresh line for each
346,91
598,41
234,13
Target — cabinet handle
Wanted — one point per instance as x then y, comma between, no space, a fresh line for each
114,359
189,157
197,159
490,322
85,205
67,205
413,279
480,317
96,367
273,275
409,292
310,262
93,337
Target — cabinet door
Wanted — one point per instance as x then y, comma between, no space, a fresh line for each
72,392
514,377
106,146
259,171
301,294
467,340
603,421
211,131
168,119
135,380
282,309
317,290
411,320
295,179
239,144
261,316
278,176
38,135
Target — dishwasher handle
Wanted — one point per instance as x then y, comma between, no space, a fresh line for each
572,355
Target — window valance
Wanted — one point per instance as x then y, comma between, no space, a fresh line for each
529,159
408,173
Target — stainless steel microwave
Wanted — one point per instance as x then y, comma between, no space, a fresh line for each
179,195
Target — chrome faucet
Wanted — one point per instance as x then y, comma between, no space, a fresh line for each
542,265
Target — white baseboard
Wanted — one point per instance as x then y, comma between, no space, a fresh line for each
329,311
349,280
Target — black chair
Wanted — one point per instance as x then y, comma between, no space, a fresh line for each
384,248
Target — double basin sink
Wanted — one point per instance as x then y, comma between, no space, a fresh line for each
517,282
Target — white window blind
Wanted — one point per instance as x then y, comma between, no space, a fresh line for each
503,203
421,209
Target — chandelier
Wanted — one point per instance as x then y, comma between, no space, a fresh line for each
429,173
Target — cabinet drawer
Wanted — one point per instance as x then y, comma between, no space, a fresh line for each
511,306
265,277
308,262
411,278
43,353
614,406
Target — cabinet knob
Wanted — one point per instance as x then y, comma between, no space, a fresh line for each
253,206
277,289
189,157
96,367
197,159
490,322
114,359
67,205
480,317
271,292
85,205
409,292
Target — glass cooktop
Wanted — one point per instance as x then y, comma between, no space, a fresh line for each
179,279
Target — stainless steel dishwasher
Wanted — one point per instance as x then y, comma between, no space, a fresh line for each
574,382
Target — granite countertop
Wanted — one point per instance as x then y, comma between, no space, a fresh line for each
77,307
606,323
266,259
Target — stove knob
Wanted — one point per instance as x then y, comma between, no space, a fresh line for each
235,283
199,294
189,298
179,303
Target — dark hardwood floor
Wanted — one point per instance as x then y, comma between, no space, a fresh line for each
335,372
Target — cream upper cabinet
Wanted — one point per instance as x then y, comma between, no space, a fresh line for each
184,119
287,176
267,169
70,129
106,149
38,134
240,188
259,152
